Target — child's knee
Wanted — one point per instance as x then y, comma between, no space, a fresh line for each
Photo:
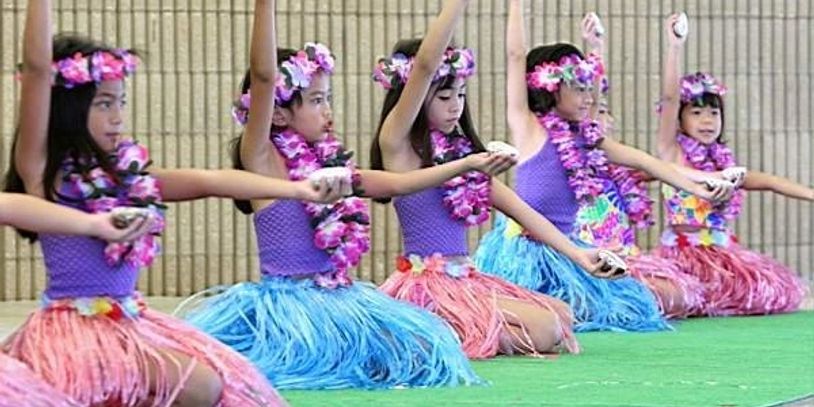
547,331
203,388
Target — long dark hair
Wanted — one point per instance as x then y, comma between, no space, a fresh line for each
542,101
707,100
283,54
68,134
420,130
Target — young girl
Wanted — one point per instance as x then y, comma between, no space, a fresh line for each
678,294
425,121
572,174
737,281
307,324
18,385
94,338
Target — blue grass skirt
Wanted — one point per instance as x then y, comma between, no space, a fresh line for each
302,336
599,305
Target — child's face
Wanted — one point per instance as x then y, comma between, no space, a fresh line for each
314,117
701,123
445,106
574,101
106,114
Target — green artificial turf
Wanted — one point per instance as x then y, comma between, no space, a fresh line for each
743,361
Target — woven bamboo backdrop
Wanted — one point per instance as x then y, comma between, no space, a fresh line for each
196,53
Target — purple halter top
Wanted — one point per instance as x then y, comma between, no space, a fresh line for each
285,241
76,267
427,227
542,183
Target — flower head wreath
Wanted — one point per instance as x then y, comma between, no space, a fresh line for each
694,86
571,70
395,70
294,75
99,66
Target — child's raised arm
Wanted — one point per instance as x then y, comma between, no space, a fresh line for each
31,146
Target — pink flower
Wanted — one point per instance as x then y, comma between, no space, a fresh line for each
435,263
330,235
103,204
240,109
107,67
145,187
129,153
99,179
74,70
114,252
143,251
384,73
130,61
545,76
321,55
282,91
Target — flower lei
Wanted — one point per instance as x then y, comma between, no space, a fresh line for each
342,229
294,75
97,191
712,157
95,67
467,195
570,69
585,164
395,70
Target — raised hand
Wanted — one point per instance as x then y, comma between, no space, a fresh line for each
673,38
593,32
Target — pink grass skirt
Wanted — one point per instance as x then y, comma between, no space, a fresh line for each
652,269
466,299
737,281
98,353
20,387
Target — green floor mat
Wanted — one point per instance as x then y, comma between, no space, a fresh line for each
744,361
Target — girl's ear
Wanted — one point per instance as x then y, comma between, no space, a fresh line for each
281,117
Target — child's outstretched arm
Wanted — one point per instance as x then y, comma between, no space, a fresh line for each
521,120
385,184
667,146
188,184
664,171
38,215
395,131
31,147
761,181
257,153
506,201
